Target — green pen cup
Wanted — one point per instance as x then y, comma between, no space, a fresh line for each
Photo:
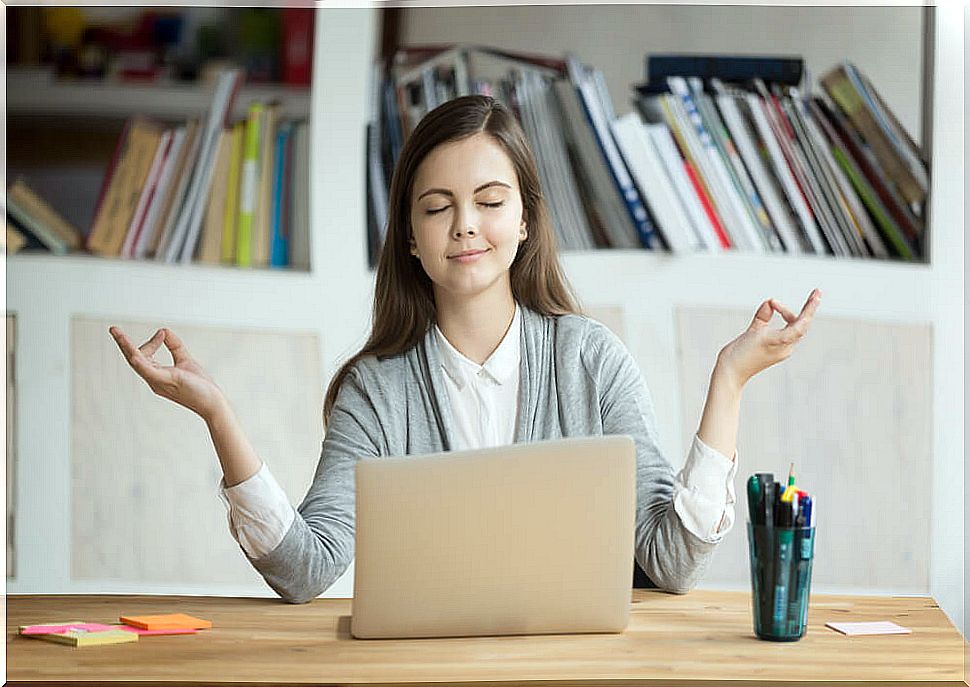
781,579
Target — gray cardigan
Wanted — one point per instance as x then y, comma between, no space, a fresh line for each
577,379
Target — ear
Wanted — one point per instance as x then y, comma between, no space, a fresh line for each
414,247
523,233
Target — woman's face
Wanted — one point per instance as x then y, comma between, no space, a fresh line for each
466,216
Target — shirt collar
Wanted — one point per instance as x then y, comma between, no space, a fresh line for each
500,366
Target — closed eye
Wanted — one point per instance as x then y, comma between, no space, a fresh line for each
435,211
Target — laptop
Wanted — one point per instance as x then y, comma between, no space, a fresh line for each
530,538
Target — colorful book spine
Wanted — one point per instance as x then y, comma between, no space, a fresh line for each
278,234
249,186
227,252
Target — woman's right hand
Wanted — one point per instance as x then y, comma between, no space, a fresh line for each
185,382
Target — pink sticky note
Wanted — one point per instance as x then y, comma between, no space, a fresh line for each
61,629
882,627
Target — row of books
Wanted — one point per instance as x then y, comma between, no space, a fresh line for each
721,153
212,191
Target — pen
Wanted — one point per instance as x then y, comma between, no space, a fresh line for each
782,578
803,545
754,498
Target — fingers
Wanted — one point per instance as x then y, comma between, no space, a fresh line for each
174,344
797,326
149,347
762,315
137,359
787,314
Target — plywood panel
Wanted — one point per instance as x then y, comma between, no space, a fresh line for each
853,409
145,503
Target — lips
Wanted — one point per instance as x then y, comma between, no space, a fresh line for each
467,255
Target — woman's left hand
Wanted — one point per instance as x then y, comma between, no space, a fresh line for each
760,346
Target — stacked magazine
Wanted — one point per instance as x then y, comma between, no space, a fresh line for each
720,153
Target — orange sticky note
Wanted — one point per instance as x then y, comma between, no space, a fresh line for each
170,621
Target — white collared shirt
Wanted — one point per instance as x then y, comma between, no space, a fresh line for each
484,400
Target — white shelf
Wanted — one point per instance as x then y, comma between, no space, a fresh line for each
33,92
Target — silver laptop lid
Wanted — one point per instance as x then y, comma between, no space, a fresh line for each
522,539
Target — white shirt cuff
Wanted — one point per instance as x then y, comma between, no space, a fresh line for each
705,494
259,512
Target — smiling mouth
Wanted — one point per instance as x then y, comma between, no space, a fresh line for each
468,255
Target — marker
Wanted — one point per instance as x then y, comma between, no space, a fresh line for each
754,498
803,549
785,541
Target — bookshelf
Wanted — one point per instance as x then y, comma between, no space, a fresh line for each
28,95
333,300
156,77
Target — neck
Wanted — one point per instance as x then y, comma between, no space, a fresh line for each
475,325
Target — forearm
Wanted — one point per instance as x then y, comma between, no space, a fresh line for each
719,421
236,455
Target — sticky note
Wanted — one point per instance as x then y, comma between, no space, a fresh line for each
61,628
143,632
882,627
170,621
84,638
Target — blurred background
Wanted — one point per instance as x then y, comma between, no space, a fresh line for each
127,133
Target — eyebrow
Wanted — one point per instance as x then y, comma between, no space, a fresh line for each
446,192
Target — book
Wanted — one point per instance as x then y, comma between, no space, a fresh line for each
770,192
15,239
187,230
729,202
297,45
539,116
862,184
175,199
854,208
122,185
743,186
704,235
808,230
659,108
841,89
38,213
210,247
249,184
279,217
622,237
261,220
162,195
838,208
227,247
740,68
647,170
145,197
894,203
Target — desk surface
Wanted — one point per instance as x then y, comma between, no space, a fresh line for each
671,640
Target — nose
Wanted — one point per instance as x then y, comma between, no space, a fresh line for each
464,227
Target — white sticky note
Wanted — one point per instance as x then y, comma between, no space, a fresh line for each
882,627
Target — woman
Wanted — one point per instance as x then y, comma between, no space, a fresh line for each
476,341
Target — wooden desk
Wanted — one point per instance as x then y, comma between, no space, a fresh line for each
693,639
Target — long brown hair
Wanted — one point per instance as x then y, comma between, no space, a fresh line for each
404,307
